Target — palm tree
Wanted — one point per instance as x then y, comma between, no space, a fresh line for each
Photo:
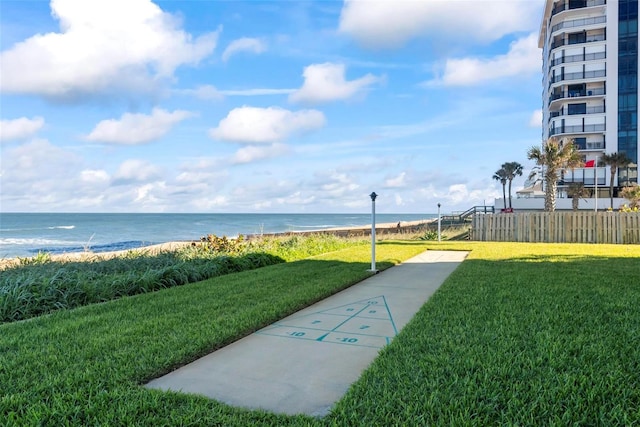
632,194
501,175
614,161
512,169
554,157
576,190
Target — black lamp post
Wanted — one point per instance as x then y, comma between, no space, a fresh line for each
438,222
373,231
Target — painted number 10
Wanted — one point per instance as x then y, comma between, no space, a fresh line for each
348,340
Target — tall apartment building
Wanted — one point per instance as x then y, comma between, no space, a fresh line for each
590,82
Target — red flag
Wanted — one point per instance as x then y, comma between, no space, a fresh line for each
590,164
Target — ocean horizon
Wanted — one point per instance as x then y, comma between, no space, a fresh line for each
27,234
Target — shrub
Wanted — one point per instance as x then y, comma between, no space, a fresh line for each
213,243
429,235
632,193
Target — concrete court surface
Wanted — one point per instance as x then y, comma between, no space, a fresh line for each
304,363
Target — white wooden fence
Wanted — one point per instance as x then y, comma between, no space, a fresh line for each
558,227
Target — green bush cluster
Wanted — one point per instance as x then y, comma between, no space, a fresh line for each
35,289
296,247
213,243
288,247
40,285
429,235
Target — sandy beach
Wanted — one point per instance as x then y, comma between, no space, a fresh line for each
383,229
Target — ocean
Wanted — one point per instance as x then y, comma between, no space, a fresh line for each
26,234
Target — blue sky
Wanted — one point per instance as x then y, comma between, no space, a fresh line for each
264,106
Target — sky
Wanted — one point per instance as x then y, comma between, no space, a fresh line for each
284,106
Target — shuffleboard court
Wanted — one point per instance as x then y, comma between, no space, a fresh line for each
304,363
365,323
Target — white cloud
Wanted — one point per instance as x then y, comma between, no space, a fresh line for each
197,176
252,153
150,194
257,92
209,92
462,195
102,45
21,128
134,170
336,185
94,176
523,58
326,82
396,182
391,23
296,199
38,176
536,119
207,204
266,125
133,129
206,92
37,159
245,44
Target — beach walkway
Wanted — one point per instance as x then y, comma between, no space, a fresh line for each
306,362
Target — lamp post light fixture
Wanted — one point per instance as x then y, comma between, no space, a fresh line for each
373,232
438,222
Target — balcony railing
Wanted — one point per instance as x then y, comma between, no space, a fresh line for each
578,58
579,23
590,145
585,175
577,94
565,111
576,5
578,76
590,39
578,129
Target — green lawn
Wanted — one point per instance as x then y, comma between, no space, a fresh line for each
520,334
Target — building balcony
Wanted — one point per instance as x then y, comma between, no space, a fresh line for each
559,130
577,94
583,145
586,176
579,23
578,58
576,4
577,111
590,39
583,75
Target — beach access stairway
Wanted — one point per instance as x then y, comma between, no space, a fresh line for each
465,217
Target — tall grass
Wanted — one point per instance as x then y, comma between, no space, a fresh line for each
41,285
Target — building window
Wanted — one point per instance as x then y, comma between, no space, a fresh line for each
575,4
577,38
577,108
628,80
